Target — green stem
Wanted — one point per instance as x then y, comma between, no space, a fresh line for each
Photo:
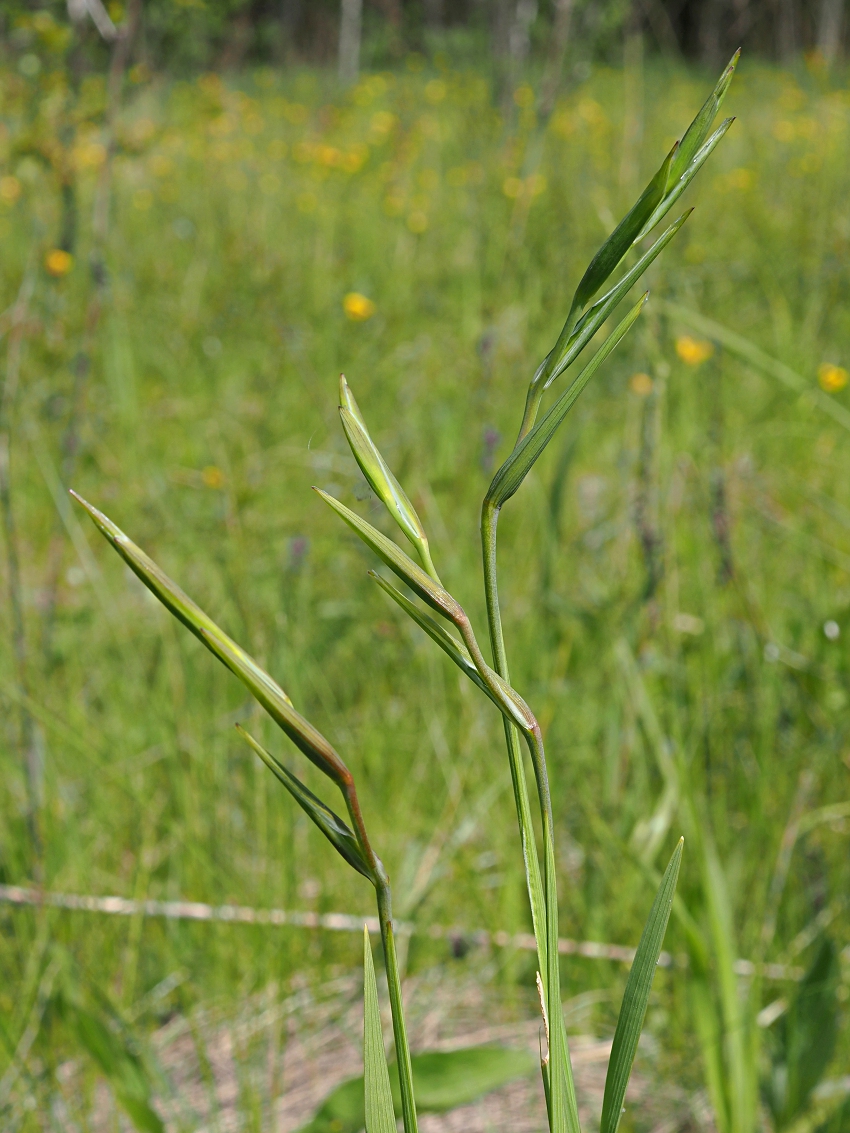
402,1050
546,915
489,521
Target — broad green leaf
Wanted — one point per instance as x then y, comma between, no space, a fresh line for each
380,476
443,1081
264,689
699,129
337,832
378,1099
679,186
804,1038
118,1062
623,236
636,997
401,564
592,320
515,469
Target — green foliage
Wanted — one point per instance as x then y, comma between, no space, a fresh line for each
101,1034
443,1081
636,997
204,422
804,1039
377,1113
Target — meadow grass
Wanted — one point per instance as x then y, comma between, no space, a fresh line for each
666,580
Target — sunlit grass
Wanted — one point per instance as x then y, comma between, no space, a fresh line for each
268,234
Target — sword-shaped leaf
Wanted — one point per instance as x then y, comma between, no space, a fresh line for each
380,1114
561,1098
337,832
401,564
699,129
592,319
636,997
380,476
679,186
515,469
261,686
623,236
446,641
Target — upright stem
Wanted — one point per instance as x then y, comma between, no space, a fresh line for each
545,916
402,1050
489,522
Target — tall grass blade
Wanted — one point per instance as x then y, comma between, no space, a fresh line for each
446,641
562,1104
261,686
592,320
380,1115
401,564
636,997
624,235
515,469
699,129
682,183
337,832
381,479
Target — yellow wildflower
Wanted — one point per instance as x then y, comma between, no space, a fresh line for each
357,307
10,189
693,351
212,476
641,384
58,262
832,378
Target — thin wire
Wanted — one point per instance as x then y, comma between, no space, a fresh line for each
347,922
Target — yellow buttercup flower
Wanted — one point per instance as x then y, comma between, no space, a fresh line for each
641,384
693,351
58,262
212,476
832,378
358,307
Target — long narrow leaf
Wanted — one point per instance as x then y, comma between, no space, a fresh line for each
682,183
621,239
401,564
376,470
563,1107
446,641
337,832
515,469
699,129
261,686
380,1115
592,320
636,997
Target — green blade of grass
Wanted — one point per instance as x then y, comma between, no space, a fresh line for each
621,239
401,564
446,641
380,1114
261,686
593,319
515,469
561,1099
337,832
682,183
381,479
699,129
636,997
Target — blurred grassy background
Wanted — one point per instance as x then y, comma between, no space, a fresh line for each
668,573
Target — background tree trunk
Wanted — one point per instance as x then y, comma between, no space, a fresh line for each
350,28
